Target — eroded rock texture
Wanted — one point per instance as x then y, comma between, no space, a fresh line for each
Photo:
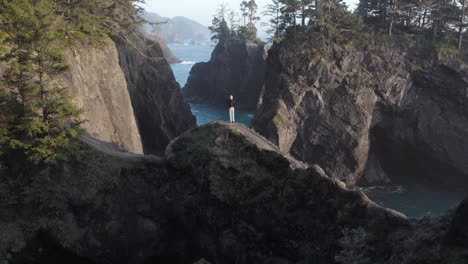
98,86
368,114
128,93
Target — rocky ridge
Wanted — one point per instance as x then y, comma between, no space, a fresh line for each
224,194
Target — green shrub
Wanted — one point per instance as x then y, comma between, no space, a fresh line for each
354,246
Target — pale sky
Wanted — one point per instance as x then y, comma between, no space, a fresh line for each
201,11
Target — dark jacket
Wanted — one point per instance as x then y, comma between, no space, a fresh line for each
231,103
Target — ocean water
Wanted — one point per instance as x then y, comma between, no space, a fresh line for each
191,54
410,199
414,200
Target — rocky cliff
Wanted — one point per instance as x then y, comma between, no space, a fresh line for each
160,109
128,93
98,86
372,114
222,193
235,68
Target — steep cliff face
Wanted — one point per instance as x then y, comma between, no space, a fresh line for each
368,114
236,68
98,86
128,93
223,193
160,109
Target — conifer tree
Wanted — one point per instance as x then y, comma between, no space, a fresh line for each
37,117
249,11
275,23
219,27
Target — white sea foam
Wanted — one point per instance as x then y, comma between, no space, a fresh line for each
188,62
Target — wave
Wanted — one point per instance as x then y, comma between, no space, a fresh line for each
394,189
188,62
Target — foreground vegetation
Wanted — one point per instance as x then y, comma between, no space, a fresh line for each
38,122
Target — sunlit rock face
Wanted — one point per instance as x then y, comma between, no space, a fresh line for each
97,85
128,93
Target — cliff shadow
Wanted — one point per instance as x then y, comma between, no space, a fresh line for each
402,163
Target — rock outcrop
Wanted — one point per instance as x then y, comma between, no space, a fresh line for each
368,114
236,68
223,194
170,57
160,109
98,86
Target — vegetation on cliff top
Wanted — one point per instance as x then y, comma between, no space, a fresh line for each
38,122
243,28
426,25
37,117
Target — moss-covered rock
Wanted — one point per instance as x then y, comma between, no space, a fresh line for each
223,193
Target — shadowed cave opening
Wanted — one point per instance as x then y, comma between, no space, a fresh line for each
420,184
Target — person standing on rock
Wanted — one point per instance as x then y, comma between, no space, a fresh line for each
231,106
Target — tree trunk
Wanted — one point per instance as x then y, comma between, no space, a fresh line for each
408,19
390,28
303,16
424,19
294,24
435,23
460,31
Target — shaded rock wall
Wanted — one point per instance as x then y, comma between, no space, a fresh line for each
225,194
160,109
235,68
324,110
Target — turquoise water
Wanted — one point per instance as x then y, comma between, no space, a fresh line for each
207,113
412,200
191,54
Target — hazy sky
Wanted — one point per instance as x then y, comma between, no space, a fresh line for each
200,10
